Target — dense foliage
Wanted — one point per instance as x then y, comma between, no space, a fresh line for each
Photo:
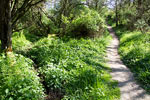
74,68
88,23
69,68
81,22
132,14
59,48
19,80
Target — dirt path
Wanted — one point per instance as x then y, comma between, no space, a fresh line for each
130,90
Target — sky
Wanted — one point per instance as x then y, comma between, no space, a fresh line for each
111,3
50,4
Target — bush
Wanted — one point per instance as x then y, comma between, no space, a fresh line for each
55,78
142,26
88,23
19,81
20,43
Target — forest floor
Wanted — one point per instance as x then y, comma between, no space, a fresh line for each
129,88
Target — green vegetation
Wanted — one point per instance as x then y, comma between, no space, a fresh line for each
56,49
132,19
87,23
135,53
58,53
19,80
75,67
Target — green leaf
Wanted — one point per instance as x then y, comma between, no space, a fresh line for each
10,98
6,91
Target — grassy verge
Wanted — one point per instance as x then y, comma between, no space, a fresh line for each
135,53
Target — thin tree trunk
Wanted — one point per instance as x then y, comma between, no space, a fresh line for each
116,4
96,4
5,25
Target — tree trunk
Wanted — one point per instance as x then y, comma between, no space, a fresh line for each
96,4
116,4
5,25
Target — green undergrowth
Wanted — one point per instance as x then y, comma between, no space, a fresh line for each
70,69
75,68
18,79
135,53
23,41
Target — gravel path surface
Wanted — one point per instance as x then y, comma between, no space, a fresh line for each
129,89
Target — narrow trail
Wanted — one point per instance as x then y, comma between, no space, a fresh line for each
129,89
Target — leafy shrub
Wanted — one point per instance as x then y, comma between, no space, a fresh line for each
23,41
88,23
19,81
55,78
142,26
20,43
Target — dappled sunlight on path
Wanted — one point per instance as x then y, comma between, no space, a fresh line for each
129,88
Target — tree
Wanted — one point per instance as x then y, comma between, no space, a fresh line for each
116,12
10,12
5,25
